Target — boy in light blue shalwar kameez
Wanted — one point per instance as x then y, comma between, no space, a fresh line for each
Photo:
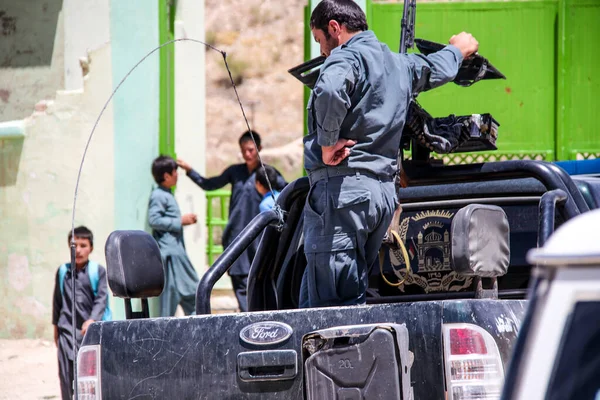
167,224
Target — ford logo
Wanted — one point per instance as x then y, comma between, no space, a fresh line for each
265,333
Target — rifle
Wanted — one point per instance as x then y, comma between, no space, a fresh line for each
407,25
423,133
476,132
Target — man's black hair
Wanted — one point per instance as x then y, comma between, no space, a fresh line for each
248,136
263,174
162,165
81,232
345,12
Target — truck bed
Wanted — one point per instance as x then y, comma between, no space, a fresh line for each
197,357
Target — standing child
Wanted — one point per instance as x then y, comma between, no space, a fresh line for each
91,294
167,224
263,178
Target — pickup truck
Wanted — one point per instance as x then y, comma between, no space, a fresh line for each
444,329
444,305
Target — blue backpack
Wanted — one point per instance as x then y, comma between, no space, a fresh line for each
92,269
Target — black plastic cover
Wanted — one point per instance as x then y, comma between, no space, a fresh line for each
308,71
472,70
134,265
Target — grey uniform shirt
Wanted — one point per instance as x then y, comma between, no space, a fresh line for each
363,93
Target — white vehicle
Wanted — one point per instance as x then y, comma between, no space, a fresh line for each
557,354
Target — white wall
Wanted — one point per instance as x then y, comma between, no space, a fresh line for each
35,208
190,137
86,27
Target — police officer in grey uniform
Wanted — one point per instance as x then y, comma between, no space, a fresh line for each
356,114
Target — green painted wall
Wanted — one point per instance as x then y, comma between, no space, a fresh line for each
578,97
134,32
519,39
546,48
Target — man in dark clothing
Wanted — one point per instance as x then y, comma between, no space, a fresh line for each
89,306
356,113
243,205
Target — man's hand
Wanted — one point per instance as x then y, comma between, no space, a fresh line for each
188,219
85,326
466,43
56,335
333,155
184,165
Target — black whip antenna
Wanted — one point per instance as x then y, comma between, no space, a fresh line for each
72,244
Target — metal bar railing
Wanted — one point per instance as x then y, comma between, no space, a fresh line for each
543,171
215,218
222,265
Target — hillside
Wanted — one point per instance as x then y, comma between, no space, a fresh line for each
263,39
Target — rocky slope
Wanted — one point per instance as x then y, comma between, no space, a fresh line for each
263,39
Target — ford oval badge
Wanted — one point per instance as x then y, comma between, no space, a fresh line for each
265,333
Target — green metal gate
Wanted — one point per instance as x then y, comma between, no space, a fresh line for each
524,103
166,25
578,100
548,51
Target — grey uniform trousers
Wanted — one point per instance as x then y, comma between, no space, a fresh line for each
345,220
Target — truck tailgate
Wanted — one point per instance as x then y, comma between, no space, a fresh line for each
197,357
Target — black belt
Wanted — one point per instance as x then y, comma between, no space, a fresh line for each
331,172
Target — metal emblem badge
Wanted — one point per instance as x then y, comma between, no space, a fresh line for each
428,241
266,333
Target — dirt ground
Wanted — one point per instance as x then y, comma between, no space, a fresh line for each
28,370
29,367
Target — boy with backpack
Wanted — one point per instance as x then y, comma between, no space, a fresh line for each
91,294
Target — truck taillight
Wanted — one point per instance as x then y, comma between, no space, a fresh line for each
474,368
89,385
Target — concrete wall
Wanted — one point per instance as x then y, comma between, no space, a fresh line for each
38,171
31,55
35,208
85,29
190,127
134,33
